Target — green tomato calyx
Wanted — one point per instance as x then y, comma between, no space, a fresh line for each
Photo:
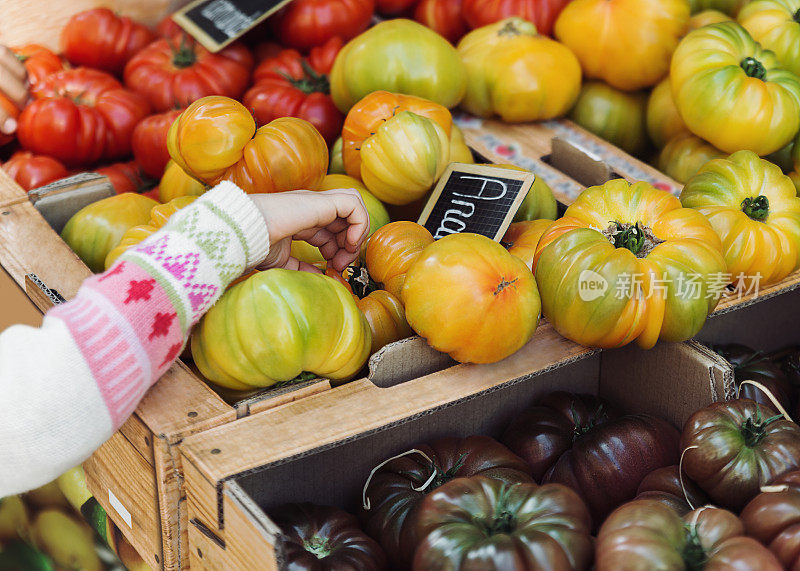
503,285
442,477
183,55
754,429
637,238
579,429
694,556
502,520
756,208
319,547
754,68
311,82
517,27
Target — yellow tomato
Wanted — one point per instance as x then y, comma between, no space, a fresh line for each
518,74
626,43
775,24
729,7
663,120
754,209
733,93
685,155
336,164
707,17
459,151
522,238
176,182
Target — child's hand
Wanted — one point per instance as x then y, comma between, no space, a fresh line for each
13,86
336,221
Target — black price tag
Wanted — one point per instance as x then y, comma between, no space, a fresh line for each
481,199
216,23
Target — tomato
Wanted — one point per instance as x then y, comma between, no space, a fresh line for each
394,8
443,17
684,155
288,86
459,150
278,324
755,366
394,493
336,165
402,161
613,115
627,263
171,75
318,538
304,24
775,24
729,7
739,446
127,177
468,297
102,40
386,318
149,142
646,534
97,228
39,62
423,64
626,43
482,523
773,518
666,486
542,13
707,17
754,209
374,110
321,58
732,93
176,182
216,139
32,171
522,237
80,116
518,74
391,251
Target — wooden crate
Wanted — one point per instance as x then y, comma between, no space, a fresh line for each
236,473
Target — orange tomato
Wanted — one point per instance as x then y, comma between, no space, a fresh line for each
521,238
391,251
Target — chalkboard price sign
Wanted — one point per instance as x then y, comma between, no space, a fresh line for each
216,23
481,199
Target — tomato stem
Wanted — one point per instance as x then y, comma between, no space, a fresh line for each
756,208
502,520
517,27
753,68
503,285
637,238
694,556
319,547
755,429
184,55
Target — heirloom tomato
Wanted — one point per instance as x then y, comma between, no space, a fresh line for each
754,209
684,155
522,237
321,58
374,110
614,115
732,448
773,518
459,151
732,93
783,158
336,164
32,171
278,324
127,177
102,40
287,85
171,75
707,17
423,63
627,263
404,158
80,116
666,486
751,365
394,8
729,7
482,523
626,43
646,534
485,305
386,318
664,122
39,62
775,24
216,139
391,251
542,13
149,142
96,229
392,496
515,73
159,215
304,24
324,538
443,17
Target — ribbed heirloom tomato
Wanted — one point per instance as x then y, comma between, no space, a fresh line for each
391,251
173,73
733,93
668,486
542,13
684,155
729,7
39,62
216,139
773,518
31,171
176,182
627,263
522,237
304,24
149,142
442,16
613,115
775,24
468,297
127,177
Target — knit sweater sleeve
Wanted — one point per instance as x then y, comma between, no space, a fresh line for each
67,386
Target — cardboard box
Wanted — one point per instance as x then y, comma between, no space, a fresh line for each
322,448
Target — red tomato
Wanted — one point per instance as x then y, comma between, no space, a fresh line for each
129,177
321,58
32,171
39,62
394,7
288,86
542,13
149,142
167,28
266,50
174,73
80,116
100,39
443,17
304,24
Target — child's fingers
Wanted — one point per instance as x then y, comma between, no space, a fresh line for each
9,61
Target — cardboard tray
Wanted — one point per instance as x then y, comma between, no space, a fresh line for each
237,473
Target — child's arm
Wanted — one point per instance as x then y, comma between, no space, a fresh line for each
65,387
